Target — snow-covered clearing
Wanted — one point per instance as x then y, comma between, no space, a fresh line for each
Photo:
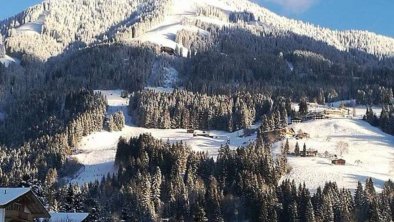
97,151
32,27
370,154
164,34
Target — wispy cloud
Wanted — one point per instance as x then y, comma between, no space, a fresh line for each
294,6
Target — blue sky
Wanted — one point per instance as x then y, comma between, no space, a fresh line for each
372,15
13,7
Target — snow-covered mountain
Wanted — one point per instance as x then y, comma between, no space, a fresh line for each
50,28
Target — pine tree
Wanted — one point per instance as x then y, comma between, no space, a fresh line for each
303,107
286,147
309,213
297,149
328,211
156,189
369,189
360,203
374,212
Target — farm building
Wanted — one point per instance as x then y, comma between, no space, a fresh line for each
311,153
314,116
338,162
201,133
190,130
302,135
337,112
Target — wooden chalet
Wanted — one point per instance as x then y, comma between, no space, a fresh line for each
302,135
311,153
20,205
338,162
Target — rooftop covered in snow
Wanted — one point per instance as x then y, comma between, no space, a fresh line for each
68,217
24,197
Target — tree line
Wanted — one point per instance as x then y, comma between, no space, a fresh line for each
183,109
158,180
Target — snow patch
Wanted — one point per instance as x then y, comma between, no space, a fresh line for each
32,27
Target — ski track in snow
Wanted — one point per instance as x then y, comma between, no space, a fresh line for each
164,34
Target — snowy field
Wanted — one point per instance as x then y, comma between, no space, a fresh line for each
97,151
370,154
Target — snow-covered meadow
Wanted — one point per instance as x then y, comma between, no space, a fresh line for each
97,151
370,154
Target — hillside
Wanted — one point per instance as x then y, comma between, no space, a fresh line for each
179,110
370,154
56,26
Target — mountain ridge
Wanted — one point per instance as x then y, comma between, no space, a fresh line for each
64,26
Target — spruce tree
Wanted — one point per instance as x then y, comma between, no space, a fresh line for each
297,149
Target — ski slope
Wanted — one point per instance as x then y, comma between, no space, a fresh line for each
34,27
165,33
97,151
370,154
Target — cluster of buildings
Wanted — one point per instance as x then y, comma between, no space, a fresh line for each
323,114
22,205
